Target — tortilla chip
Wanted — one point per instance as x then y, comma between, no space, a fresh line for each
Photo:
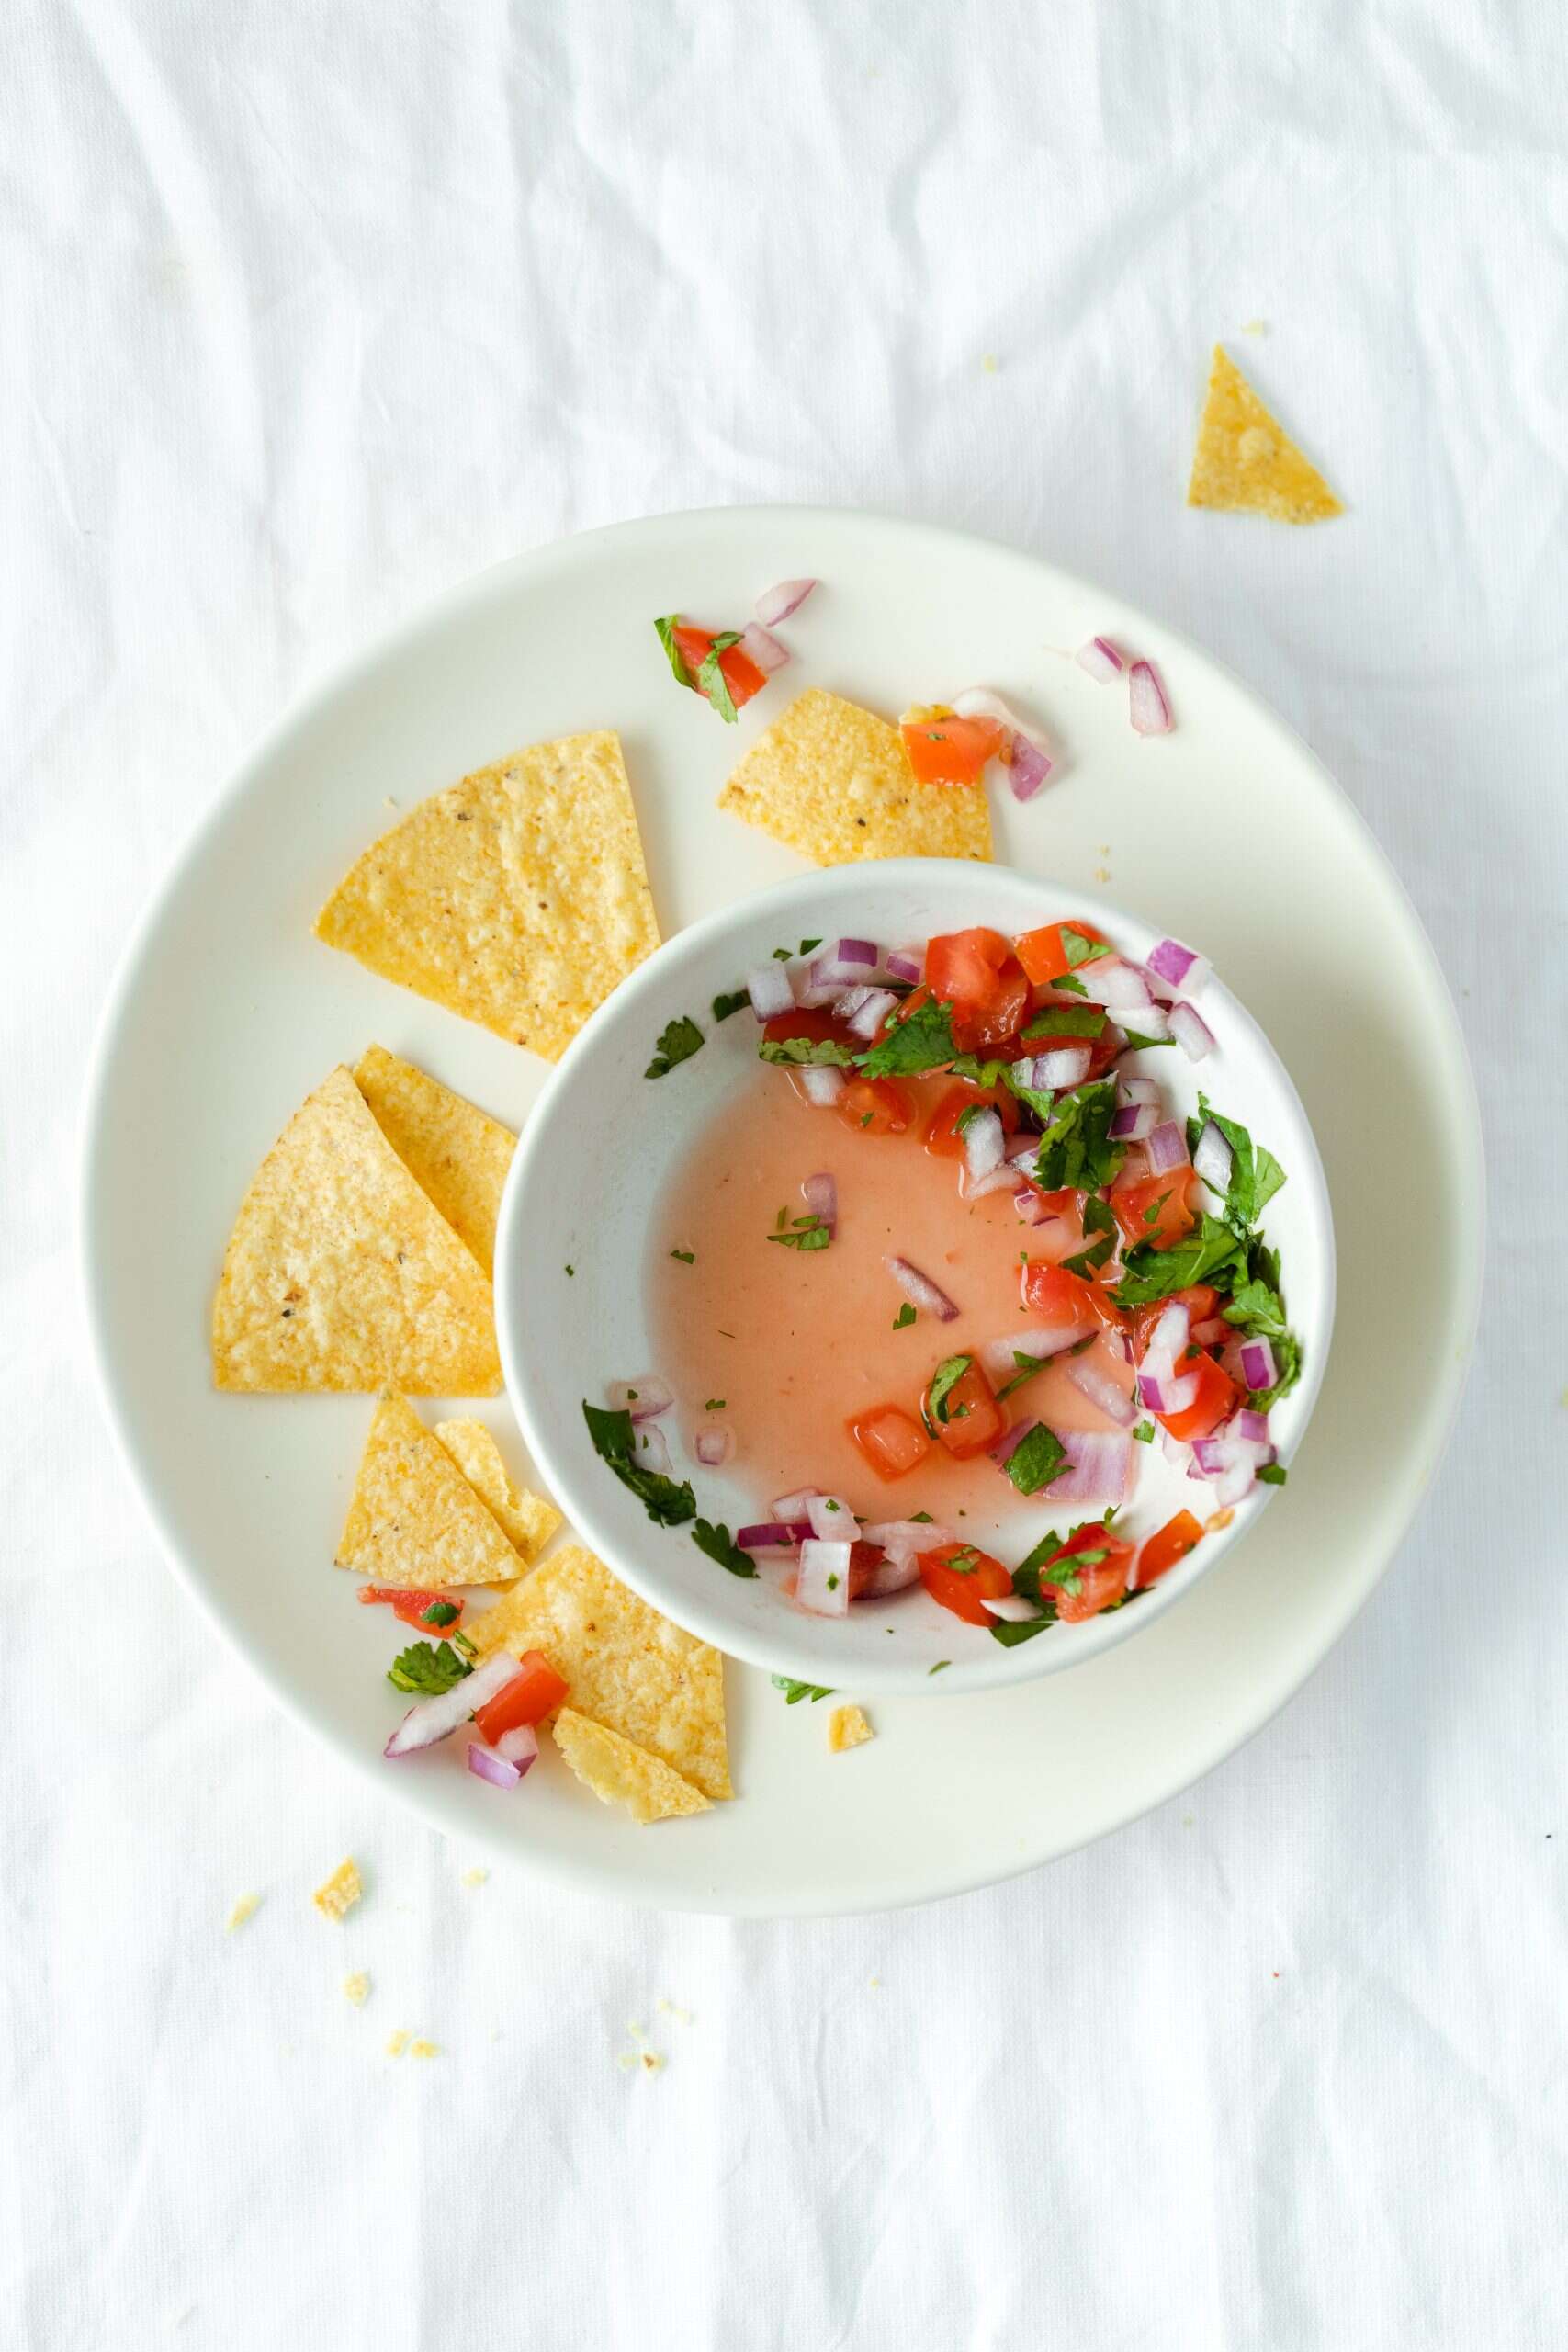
832,781
451,1150
620,1772
341,1275
527,1520
847,1727
1245,460
337,1896
518,897
628,1668
414,1519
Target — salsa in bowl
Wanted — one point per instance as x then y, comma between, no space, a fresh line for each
918,1269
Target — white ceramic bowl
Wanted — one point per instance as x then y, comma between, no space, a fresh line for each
596,1154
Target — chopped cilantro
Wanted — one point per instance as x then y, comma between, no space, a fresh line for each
819,1053
794,1691
687,1257
904,1318
440,1613
1064,983
1212,1254
1027,1368
1097,1220
780,954
1036,1460
1151,1215
944,1380
667,628
1136,1043
723,1006
711,680
919,1519
968,1117
1066,1020
716,1405
807,945
918,1041
1079,948
965,1561
1255,1174
1273,1474
1143,1434
668,1502
1075,1150
939,1663
678,1040
807,1233
572,1270
715,1542
427,1668
833,1584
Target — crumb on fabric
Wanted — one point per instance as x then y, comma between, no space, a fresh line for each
425,2050
337,1896
356,1988
682,2016
476,1877
245,1908
397,2042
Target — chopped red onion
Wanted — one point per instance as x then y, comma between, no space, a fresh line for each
793,1506
1191,1031
1003,1178
1133,1122
1098,1465
1182,968
1171,1337
921,1289
893,1573
1012,1606
644,1399
519,1746
1213,1158
1029,769
771,991
832,1521
775,605
1094,1382
1257,1365
1030,1205
1101,659
820,1194
1106,979
821,1085
1230,1362
1136,1089
760,646
909,1535
1033,1340
774,1534
1166,1148
713,1445
823,1585
868,1016
488,1764
983,1142
1164,1392
846,960
1252,1425
437,1717
1147,704
651,1448
1062,1066
904,964
1153,1023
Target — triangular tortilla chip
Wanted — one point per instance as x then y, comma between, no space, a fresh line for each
414,1519
1246,460
832,781
620,1772
627,1667
518,897
527,1521
340,1274
450,1148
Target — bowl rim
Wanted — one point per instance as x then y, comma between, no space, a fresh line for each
995,1665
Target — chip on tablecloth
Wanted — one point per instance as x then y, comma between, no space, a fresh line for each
626,1667
620,1772
414,1519
833,781
1246,460
452,1149
517,898
340,1272
337,1896
847,1727
526,1519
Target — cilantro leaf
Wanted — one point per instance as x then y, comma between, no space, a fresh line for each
1143,1434
715,1542
668,1502
427,1668
667,628
921,1040
1036,1460
678,1041
711,680
440,1613
1255,1174
1065,984
808,1233
1075,1150
794,1691
939,1663
1027,1368
904,1318
1097,1219
820,1052
687,1257
1212,1254
1079,948
1138,1043
1273,1474
943,1381
1066,1020
723,1006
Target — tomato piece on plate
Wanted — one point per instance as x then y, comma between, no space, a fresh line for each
951,751
960,1575
1044,953
1168,1545
1217,1398
740,673
967,1417
534,1692
976,973
1156,1209
891,1439
1067,1302
942,1138
411,1606
878,1105
1201,1300
1096,1563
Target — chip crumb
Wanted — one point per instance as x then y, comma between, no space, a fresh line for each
1102,874
337,1896
651,2062
988,362
876,1984
245,1908
477,1876
847,1727
397,2042
425,2050
1256,327
682,2016
356,1988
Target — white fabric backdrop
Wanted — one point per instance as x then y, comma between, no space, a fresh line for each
309,311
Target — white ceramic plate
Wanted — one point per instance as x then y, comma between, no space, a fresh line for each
568,1203
1226,833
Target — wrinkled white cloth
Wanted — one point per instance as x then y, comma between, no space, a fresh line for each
309,311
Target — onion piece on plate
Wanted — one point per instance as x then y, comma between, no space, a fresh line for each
760,646
832,1521
712,1445
1213,1158
775,605
644,1399
1012,1608
1098,1465
821,1084
1182,969
771,991
921,1289
1094,1382
823,1584
1147,704
438,1717
772,1534
903,964
1101,659
820,1194
1191,1031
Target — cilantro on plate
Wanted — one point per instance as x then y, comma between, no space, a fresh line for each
668,1502
794,1691
1036,1460
715,1542
922,1040
427,1668
678,1040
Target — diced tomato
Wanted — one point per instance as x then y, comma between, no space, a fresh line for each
976,974
1044,954
807,1022
970,1420
951,750
1156,1209
1216,1400
534,1692
864,1558
891,1439
740,673
1067,1302
879,1105
1099,1583
1200,1300
960,1575
1167,1545
942,1138
411,1606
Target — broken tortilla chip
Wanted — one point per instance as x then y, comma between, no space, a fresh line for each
414,1519
341,1275
452,1151
1246,461
627,1667
517,898
832,781
620,1772
847,1727
527,1520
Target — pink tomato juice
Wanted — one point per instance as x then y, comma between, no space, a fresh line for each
784,1346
